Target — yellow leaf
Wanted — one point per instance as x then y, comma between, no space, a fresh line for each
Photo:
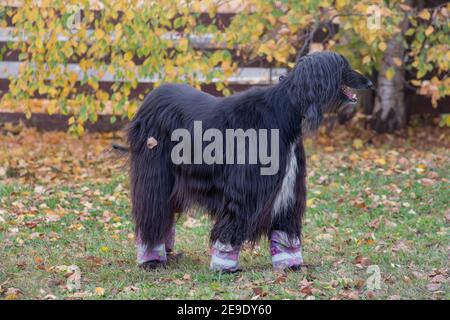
353,157
429,31
366,60
130,14
397,61
99,34
357,143
128,56
425,14
73,77
340,4
382,46
82,47
380,161
421,168
99,291
104,249
71,120
169,70
447,121
196,6
51,108
390,73
39,44
183,44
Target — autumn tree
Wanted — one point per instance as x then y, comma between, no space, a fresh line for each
386,39
131,40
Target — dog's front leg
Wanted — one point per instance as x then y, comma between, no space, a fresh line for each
225,257
286,251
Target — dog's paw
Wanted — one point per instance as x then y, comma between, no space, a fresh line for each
152,265
228,271
294,268
173,257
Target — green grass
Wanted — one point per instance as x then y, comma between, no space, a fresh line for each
65,202
94,232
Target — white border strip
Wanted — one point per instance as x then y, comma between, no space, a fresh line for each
204,41
259,76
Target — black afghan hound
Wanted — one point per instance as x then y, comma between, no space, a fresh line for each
244,203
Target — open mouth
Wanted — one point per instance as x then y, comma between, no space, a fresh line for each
349,95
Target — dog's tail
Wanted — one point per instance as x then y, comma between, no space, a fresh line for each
120,148
151,180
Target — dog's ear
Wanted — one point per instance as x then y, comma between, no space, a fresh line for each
314,85
312,118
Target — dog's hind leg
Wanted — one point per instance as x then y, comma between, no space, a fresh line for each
151,182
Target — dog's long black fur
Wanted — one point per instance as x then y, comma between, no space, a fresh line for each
237,197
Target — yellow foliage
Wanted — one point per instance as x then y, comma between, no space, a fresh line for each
124,32
99,34
390,73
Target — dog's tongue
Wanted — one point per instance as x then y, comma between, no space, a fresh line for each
348,93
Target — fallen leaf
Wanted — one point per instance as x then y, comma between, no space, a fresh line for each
280,279
191,222
259,291
380,161
447,216
359,284
324,236
433,286
357,143
399,246
364,261
99,291
12,291
39,189
375,224
427,182
130,289
187,277
80,295
438,279
151,142
73,282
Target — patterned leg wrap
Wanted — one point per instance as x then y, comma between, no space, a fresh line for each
158,252
225,257
285,253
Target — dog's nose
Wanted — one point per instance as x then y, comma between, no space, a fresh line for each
370,84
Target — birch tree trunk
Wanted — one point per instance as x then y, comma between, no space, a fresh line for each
389,112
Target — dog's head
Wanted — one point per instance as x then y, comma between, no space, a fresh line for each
323,82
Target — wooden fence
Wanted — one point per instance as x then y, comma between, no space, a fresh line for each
255,73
